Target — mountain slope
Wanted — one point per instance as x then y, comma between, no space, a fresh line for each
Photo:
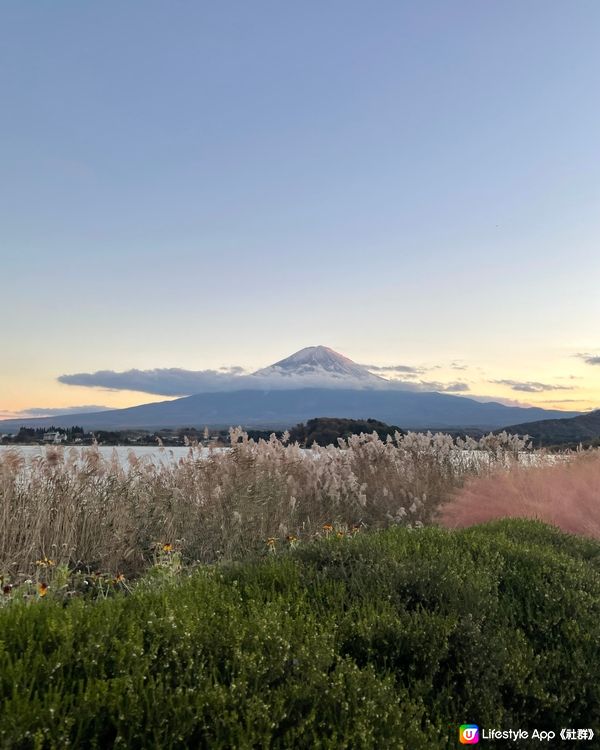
285,408
579,429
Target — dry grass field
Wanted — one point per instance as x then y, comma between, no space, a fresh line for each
79,509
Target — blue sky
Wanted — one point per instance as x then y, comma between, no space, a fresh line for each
200,185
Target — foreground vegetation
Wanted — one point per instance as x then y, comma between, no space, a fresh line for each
387,640
82,511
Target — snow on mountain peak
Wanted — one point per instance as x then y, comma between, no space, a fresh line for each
320,366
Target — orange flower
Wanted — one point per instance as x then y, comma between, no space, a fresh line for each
119,579
327,528
42,589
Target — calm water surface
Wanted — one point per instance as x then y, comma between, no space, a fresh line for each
154,453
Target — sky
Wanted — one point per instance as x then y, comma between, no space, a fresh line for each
199,186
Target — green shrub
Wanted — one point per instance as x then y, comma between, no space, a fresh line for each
383,640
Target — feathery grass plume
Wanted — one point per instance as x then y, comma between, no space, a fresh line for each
89,512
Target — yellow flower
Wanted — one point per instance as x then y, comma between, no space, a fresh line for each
167,547
355,529
340,534
271,542
42,589
119,579
291,538
45,562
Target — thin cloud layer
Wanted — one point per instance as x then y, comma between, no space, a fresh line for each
404,369
434,385
171,381
531,386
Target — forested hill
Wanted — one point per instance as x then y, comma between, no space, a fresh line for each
582,429
327,430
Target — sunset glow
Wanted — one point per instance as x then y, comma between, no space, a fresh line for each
415,198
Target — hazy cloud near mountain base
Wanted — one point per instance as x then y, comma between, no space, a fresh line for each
457,387
483,399
179,382
42,411
560,401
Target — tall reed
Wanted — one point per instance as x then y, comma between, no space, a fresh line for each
75,507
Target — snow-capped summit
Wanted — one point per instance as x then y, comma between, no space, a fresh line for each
319,366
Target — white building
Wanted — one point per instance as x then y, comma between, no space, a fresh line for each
54,437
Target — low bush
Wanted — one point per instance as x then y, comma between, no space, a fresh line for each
386,640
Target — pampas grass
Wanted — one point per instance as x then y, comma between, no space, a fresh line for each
79,509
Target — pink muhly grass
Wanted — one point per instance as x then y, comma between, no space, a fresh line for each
566,495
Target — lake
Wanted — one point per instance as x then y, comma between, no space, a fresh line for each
155,453
171,455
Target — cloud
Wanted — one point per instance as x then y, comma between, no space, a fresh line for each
456,387
42,411
411,371
54,411
403,369
562,401
531,386
499,400
161,381
178,382
588,358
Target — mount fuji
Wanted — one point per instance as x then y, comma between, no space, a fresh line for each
313,382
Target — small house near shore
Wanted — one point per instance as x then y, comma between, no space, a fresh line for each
54,437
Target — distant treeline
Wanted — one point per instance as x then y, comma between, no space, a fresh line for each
33,434
559,433
77,435
321,430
